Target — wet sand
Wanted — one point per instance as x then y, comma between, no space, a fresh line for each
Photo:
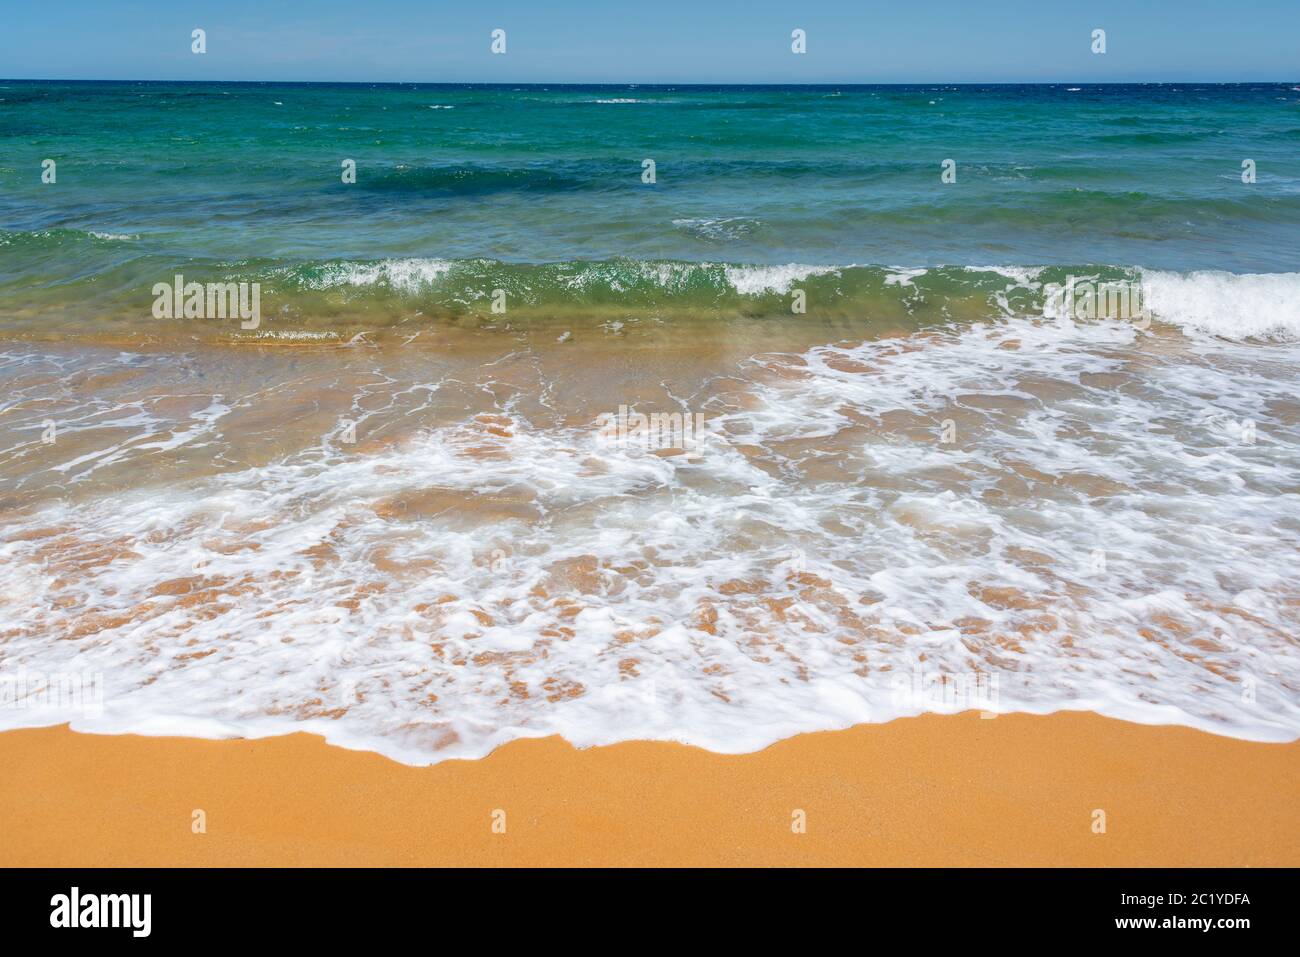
1015,790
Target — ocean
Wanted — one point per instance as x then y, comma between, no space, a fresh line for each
695,413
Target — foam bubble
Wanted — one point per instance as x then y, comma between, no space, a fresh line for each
402,275
755,280
1235,306
1099,532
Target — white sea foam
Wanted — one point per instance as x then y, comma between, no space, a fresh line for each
754,280
1021,275
403,275
1235,306
903,277
484,580
296,335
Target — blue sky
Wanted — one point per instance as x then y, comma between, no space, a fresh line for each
649,41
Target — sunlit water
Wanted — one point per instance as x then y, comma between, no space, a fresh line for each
394,517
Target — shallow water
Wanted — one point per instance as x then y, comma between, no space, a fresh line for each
485,561
400,519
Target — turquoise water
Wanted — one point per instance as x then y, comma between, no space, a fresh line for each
243,181
935,489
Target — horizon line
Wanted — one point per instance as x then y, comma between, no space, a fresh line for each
657,83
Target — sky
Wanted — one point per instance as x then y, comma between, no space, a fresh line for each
654,41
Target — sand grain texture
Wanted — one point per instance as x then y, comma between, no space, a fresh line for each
1016,790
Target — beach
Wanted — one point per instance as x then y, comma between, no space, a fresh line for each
930,791
429,549
798,482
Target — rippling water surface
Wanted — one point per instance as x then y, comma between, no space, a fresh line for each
394,516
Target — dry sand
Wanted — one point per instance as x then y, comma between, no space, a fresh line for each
1015,790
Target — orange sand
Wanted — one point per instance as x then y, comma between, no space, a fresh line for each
1016,790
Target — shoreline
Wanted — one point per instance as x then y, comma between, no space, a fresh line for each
1019,790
